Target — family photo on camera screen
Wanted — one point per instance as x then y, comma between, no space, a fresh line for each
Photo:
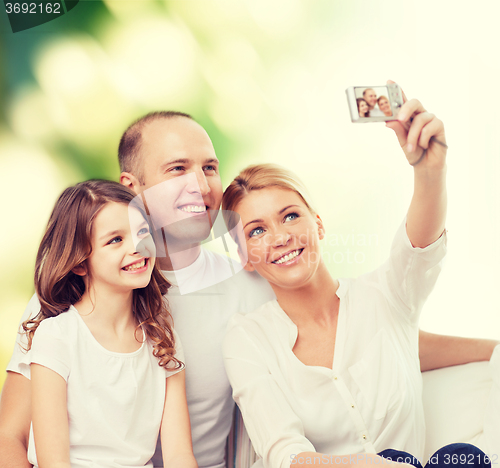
373,102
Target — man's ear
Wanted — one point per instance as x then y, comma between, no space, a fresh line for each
80,270
130,181
321,227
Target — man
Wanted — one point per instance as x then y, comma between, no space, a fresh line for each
370,96
156,153
161,148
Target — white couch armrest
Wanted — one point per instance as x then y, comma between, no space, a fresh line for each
455,400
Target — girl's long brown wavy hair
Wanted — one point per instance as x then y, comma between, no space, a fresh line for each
66,244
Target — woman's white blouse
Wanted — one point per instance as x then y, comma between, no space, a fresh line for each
371,398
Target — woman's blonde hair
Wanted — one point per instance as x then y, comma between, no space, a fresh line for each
258,177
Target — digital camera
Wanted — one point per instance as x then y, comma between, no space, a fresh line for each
374,103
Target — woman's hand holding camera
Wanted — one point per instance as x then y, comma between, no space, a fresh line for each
421,135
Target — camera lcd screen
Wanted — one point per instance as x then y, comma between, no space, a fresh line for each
373,102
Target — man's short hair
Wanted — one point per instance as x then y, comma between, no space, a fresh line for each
129,148
367,89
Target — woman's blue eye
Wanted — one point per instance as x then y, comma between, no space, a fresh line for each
143,231
255,232
291,216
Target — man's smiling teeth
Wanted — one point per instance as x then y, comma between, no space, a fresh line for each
193,208
288,257
135,266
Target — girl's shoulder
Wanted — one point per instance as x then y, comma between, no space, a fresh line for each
61,324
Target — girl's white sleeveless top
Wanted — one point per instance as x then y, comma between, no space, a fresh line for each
115,400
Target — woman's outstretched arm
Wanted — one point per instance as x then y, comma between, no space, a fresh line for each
422,138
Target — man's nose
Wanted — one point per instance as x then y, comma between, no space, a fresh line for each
199,184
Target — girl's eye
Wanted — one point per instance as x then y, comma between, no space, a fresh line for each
115,240
291,216
255,232
143,231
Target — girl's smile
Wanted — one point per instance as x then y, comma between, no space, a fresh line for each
138,266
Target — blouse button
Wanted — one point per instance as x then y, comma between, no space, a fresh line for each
364,437
335,377
352,406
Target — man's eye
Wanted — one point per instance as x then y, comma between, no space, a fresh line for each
115,240
210,168
255,232
143,231
291,216
178,168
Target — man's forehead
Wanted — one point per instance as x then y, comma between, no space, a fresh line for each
176,135
176,141
181,128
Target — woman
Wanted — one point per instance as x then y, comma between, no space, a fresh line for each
331,367
363,108
384,106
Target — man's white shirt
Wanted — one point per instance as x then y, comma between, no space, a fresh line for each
376,112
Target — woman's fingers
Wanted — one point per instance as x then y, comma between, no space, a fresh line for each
424,132
435,128
423,128
415,131
418,131
408,110
399,130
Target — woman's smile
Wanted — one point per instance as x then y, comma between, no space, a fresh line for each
288,258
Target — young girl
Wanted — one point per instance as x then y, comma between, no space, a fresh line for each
363,108
328,374
106,366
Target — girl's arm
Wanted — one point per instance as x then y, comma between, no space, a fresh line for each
418,131
15,418
50,418
176,444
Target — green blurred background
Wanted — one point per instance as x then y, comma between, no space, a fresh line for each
266,79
